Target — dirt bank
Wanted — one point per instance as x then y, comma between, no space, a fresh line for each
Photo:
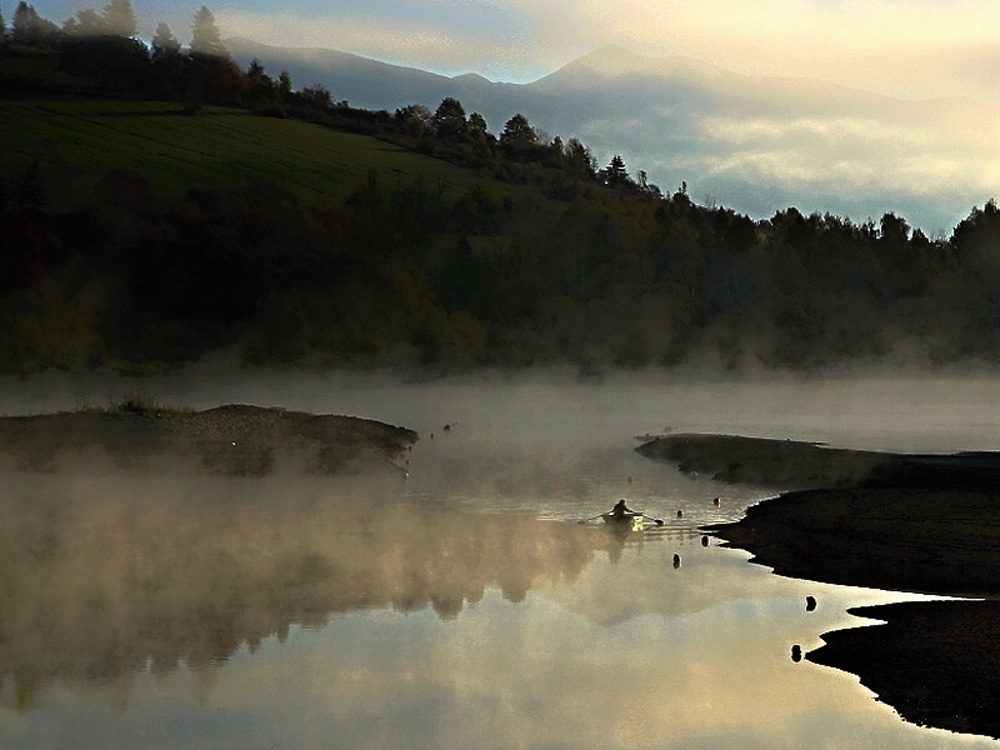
933,541
233,439
935,662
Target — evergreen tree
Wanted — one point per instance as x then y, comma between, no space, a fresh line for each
28,27
3,29
119,18
449,119
615,174
284,84
476,128
87,22
579,160
165,44
205,39
255,71
167,63
518,133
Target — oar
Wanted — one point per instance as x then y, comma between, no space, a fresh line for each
657,521
592,518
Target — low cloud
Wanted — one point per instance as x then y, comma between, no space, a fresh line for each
850,106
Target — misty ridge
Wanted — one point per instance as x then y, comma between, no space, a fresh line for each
462,248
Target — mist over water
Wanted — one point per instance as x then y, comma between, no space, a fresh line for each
461,606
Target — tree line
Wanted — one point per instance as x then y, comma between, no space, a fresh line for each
593,266
406,276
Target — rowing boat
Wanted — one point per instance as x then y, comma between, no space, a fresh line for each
632,521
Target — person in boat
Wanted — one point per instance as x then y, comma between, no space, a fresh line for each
621,510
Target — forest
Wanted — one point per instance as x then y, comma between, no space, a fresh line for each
542,256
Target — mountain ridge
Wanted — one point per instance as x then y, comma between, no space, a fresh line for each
755,143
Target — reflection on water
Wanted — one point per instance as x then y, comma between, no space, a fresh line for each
106,576
463,607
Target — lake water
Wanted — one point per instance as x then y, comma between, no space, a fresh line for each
461,607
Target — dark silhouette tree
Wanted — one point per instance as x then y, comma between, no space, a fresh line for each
518,133
261,89
579,160
165,45
316,96
23,28
211,74
284,84
615,174
476,128
166,60
30,29
449,119
415,119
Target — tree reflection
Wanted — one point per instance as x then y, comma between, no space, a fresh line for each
104,576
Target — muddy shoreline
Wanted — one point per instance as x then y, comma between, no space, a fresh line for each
935,662
234,439
916,523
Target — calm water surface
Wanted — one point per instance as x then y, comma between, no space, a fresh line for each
461,607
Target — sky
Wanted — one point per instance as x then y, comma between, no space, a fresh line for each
910,49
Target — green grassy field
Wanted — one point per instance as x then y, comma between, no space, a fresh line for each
77,142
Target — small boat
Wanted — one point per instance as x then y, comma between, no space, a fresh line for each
632,521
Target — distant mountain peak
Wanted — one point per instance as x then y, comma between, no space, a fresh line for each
612,58
470,78
615,61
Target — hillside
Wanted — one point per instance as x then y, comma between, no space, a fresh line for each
757,144
238,213
76,143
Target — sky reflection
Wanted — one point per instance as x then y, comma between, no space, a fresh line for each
172,612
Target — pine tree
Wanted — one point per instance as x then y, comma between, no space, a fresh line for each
25,26
205,39
119,18
449,119
165,45
615,174
518,133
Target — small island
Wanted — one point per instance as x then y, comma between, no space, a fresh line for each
235,439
